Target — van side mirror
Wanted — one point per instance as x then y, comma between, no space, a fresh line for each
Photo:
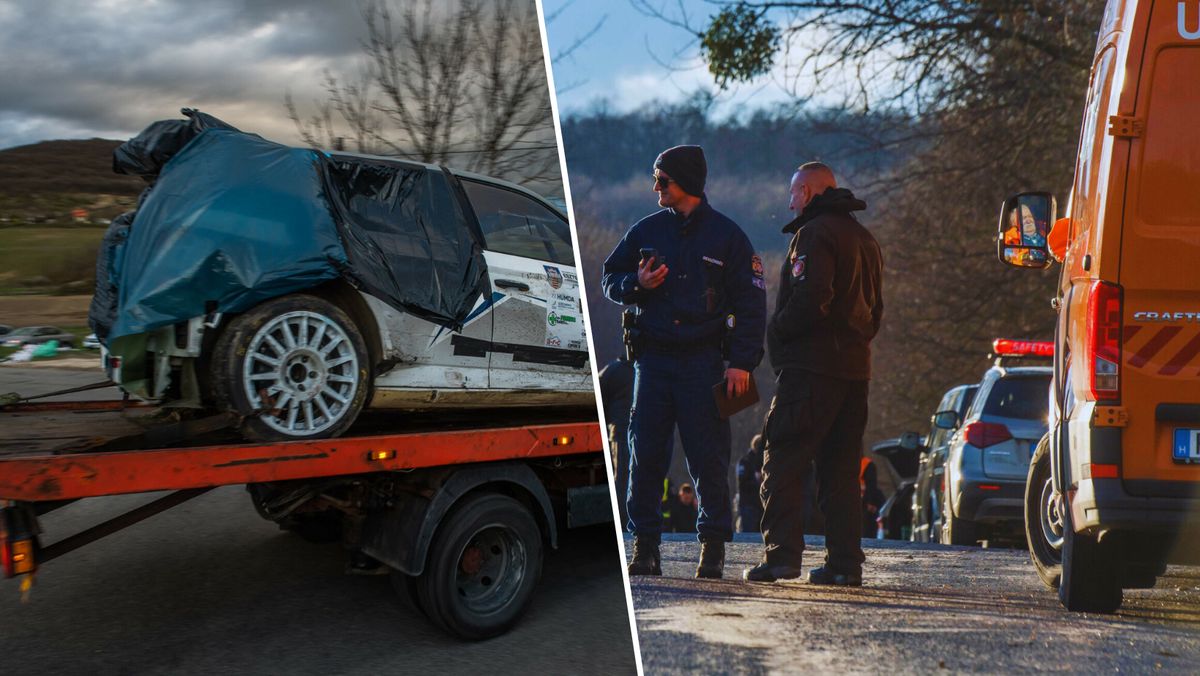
946,420
1024,223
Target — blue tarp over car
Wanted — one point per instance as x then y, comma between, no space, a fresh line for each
232,220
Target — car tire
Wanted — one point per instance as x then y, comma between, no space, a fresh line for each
294,367
483,565
1043,518
956,531
1090,580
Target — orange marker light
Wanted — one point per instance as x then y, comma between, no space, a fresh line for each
22,557
564,441
381,455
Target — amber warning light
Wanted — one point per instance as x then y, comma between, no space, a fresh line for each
1006,347
17,542
564,441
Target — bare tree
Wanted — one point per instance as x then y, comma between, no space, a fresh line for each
460,83
991,92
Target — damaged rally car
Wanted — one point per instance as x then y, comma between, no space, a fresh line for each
293,287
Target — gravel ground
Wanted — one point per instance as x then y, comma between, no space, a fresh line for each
923,608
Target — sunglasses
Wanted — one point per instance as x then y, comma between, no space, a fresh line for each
663,182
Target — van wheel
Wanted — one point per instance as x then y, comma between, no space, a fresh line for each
1043,517
1090,572
483,565
294,367
956,531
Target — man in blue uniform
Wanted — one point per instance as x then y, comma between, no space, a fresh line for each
702,300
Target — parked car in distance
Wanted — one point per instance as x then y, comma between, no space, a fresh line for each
927,490
988,457
903,455
36,335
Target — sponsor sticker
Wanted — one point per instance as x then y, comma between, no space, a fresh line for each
554,276
563,323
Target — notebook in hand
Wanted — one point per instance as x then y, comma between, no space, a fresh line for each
730,405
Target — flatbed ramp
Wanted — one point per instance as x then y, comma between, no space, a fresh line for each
500,481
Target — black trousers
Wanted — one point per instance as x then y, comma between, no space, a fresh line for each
815,424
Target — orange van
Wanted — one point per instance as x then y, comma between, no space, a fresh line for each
1113,494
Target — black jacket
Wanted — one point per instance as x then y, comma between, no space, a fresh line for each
830,299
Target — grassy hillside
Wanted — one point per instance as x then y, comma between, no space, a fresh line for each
58,167
44,246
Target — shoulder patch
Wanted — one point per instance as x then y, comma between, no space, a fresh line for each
798,265
756,266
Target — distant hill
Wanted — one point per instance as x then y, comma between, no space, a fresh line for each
83,166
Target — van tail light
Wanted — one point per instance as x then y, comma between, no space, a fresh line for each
984,434
1103,346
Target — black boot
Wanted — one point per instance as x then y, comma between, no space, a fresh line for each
825,575
767,572
645,557
712,559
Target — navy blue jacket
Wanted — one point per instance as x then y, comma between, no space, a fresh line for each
714,273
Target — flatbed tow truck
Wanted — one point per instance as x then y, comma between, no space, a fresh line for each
457,505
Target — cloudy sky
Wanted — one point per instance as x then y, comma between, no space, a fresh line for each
107,68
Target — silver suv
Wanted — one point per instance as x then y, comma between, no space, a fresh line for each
988,458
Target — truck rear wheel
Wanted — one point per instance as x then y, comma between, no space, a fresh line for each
1043,517
295,367
483,565
1091,580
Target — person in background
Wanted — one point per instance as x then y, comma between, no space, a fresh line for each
872,497
616,396
749,479
684,514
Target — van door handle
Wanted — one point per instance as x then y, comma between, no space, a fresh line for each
510,284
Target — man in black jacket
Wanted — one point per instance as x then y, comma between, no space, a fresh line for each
827,311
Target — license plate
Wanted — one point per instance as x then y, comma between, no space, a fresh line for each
1186,448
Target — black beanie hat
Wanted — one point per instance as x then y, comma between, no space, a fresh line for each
685,165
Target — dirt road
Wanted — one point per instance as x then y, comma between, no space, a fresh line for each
924,608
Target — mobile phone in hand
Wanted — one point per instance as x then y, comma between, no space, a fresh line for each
648,253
